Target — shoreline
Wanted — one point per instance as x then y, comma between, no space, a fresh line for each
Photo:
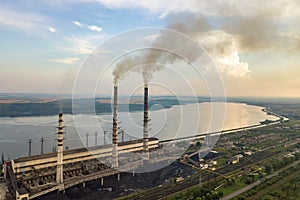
235,130
136,111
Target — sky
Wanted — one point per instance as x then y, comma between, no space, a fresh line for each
255,45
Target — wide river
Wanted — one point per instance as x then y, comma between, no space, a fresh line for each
176,122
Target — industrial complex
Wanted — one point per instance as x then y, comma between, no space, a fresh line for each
33,176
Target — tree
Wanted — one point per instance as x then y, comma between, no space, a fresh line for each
268,169
260,175
220,194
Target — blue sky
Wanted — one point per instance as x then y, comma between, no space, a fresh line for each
255,43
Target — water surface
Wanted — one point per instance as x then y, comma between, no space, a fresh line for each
176,122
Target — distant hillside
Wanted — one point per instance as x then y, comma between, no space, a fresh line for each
38,107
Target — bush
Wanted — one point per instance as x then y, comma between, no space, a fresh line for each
220,194
241,198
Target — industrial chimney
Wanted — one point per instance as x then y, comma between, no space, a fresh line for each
60,138
115,129
146,126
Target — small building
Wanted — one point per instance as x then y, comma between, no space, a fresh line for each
214,162
232,161
235,159
204,166
179,179
248,153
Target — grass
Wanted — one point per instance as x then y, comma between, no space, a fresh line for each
230,189
279,191
277,184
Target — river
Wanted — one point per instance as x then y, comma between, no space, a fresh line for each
175,122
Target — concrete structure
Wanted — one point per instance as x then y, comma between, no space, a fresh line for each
33,176
115,129
25,165
235,159
60,138
22,194
146,125
38,174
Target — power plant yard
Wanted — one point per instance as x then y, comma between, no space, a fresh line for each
149,100
239,158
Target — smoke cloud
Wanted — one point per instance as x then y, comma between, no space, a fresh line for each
223,38
144,64
149,59
223,49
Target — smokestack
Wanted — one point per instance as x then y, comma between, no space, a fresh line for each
60,138
29,148
42,145
115,129
146,126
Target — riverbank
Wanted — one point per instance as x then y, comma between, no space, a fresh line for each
234,130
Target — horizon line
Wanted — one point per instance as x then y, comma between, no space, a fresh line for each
126,95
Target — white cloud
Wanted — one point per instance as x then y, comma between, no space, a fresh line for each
52,30
78,45
232,66
81,45
77,23
24,21
154,6
70,60
163,15
149,38
223,49
89,27
94,28
212,7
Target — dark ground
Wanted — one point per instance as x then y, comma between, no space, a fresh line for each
125,186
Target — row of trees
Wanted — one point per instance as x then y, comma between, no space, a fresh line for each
287,189
278,164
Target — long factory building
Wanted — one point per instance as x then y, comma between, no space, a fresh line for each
22,166
33,174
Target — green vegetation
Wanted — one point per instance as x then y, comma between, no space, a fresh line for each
273,149
199,193
282,186
232,185
288,188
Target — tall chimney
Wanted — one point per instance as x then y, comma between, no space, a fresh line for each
115,129
60,138
146,126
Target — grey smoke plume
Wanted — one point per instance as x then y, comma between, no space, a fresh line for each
148,58
147,62
223,39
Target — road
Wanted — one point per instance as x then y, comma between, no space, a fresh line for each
252,185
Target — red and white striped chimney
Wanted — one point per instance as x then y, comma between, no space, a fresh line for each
115,129
60,138
146,126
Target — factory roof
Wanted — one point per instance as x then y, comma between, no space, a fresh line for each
78,150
